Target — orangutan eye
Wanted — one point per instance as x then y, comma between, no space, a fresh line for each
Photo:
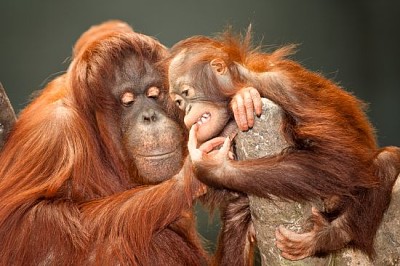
185,92
127,99
153,92
179,102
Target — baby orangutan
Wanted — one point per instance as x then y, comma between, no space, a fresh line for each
333,152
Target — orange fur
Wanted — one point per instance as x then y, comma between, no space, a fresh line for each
333,151
67,195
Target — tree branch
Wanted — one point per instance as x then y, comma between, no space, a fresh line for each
266,139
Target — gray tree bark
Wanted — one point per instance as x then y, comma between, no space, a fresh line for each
266,139
7,116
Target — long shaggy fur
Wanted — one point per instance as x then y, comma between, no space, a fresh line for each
66,195
333,149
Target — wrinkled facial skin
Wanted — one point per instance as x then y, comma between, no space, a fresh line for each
210,116
153,139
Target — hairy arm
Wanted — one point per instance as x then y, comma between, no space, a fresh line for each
289,175
130,219
60,198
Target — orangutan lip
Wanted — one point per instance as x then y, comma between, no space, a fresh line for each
159,155
204,118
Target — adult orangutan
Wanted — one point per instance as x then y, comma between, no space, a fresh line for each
90,174
333,154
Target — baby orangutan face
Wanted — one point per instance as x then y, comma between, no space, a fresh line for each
211,117
193,96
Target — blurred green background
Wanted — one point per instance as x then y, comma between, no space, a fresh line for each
355,43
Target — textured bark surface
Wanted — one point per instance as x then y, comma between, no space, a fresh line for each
7,116
266,139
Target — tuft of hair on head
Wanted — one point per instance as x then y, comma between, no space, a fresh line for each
98,32
240,49
237,46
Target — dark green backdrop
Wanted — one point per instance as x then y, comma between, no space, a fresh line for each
352,42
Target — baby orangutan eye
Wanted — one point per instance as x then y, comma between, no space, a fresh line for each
187,91
127,99
179,102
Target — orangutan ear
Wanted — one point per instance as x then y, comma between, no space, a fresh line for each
218,66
